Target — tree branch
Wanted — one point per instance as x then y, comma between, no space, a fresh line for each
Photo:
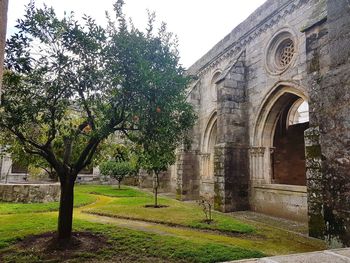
87,109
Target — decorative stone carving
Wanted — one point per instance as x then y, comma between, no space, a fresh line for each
280,52
236,46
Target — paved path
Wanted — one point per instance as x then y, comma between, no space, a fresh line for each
327,256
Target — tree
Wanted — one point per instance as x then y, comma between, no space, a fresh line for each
160,140
116,170
168,121
206,203
69,86
14,148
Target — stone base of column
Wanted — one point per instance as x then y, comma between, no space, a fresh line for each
231,182
187,185
315,183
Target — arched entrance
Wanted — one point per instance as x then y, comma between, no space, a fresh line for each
277,154
207,163
288,155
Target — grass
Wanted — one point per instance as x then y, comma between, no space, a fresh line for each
123,242
111,191
80,199
16,227
133,241
177,213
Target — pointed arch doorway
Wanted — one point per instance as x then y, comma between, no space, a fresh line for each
207,158
277,154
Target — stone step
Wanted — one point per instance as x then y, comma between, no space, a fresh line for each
327,256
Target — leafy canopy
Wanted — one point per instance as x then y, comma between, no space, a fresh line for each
68,86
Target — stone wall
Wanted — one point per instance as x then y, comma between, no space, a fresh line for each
231,170
328,56
187,171
281,200
146,181
30,193
315,182
289,155
253,93
3,23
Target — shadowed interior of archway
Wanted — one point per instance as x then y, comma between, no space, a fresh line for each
288,157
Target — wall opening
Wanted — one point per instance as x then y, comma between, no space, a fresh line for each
277,154
207,157
211,144
288,155
214,89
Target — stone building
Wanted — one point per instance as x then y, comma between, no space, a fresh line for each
3,23
273,134
10,171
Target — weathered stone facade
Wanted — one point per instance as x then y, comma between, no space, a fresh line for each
251,93
3,23
30,193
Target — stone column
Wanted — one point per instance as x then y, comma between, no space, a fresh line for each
314,182
231,159
187,171
3,24
328,64
231,177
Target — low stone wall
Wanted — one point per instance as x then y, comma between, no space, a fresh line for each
286,201
29,193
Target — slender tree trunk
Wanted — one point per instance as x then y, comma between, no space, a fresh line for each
119,184
65,216
156,185
209,212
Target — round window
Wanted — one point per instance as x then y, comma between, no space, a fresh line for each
285,53
281,52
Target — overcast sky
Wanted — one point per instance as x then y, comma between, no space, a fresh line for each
199,24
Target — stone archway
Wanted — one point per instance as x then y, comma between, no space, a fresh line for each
277,155
207,157
278,106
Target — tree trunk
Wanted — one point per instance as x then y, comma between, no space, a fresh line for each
119,184
156,185
65,216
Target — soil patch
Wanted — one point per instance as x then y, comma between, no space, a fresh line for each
156,206
45,248
208,221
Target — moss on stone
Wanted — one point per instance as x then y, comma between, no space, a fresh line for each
218,204
313,151
178,194
316,226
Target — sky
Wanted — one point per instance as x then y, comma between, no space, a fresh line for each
198,24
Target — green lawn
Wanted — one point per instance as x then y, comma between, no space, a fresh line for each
153,242
111,191
123,242
80,199
177,213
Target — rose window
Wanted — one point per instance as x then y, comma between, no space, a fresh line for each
285,53
281,52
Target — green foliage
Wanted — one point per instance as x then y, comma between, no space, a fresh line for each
87,82
68,86
206,203
116,170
